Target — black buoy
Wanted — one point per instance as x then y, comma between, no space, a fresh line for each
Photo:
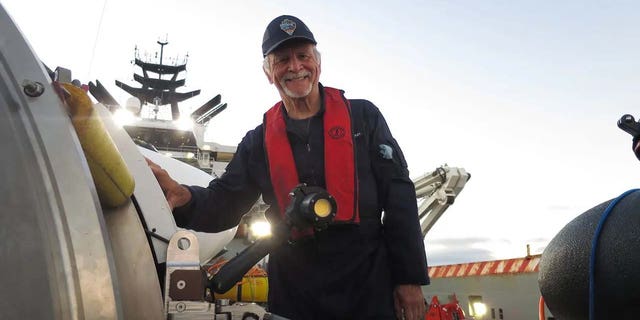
564,266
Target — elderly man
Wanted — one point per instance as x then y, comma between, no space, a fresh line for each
365,264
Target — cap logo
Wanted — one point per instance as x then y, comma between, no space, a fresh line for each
288,26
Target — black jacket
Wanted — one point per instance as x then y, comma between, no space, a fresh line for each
347,271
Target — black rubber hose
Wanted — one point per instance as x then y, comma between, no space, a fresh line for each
233,271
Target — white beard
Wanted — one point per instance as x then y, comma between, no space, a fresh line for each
292,94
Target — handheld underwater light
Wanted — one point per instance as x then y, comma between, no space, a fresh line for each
310,207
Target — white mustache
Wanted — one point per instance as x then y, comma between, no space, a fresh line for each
301,74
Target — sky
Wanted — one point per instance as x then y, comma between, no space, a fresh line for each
524,95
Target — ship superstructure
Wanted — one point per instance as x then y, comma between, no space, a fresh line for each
181,135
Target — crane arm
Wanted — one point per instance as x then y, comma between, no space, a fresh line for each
436,191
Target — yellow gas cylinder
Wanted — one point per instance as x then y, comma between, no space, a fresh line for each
251,289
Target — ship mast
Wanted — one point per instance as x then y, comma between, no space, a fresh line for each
160,91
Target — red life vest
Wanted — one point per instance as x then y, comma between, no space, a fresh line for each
339,156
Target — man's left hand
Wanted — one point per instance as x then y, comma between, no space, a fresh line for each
409,302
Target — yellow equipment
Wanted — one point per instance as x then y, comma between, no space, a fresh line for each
111,176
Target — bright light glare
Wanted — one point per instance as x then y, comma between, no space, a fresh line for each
260,229
123,117
190,155
479,309
184,124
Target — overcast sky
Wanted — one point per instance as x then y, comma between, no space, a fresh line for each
524,95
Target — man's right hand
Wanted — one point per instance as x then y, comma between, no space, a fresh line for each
176,194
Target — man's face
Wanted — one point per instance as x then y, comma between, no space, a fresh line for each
295,69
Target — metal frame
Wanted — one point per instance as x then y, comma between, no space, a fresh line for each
55,251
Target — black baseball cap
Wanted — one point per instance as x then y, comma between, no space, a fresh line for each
282,29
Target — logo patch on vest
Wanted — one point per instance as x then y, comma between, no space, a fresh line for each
336,132
288,26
